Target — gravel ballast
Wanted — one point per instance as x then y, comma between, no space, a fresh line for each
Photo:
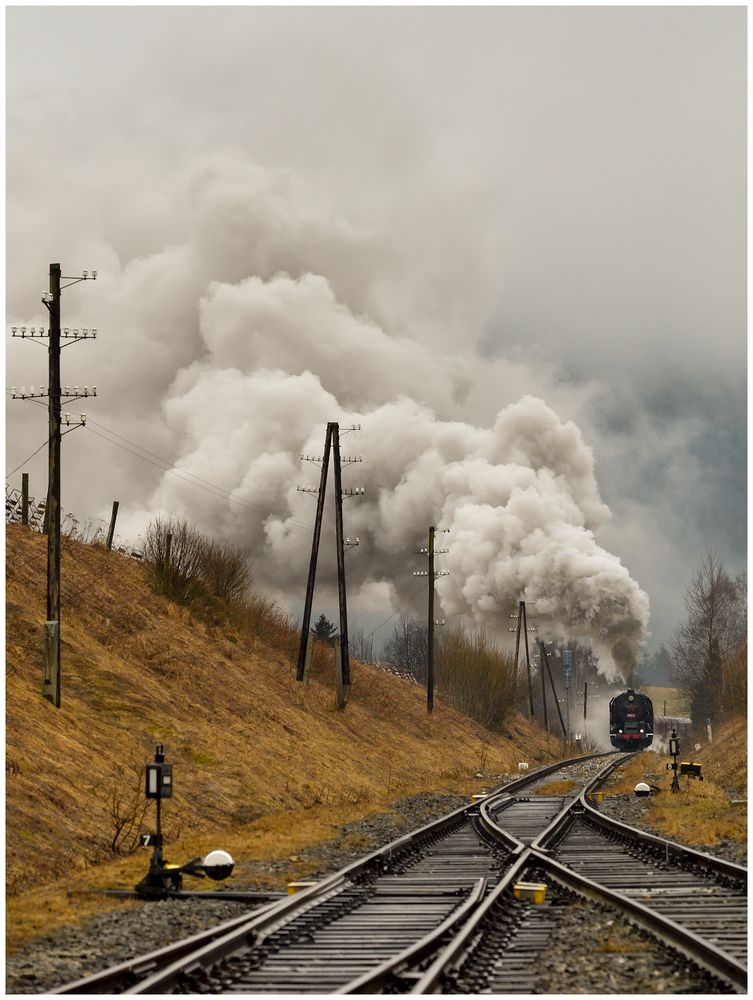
70,953
592,949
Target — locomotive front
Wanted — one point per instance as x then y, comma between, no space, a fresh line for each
631,721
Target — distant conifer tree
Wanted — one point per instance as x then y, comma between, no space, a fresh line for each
324,630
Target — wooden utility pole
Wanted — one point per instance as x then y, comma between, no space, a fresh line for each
339,680
342,601
517,639
306,624
432,575
554,689
111,532
24,498
528,657
331,444
51,300
51,683
430,651
585,699
543,696
522,625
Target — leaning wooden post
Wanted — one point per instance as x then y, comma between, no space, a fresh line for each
24,498
111,532
339,687
543,694
307,658
554,690
524,614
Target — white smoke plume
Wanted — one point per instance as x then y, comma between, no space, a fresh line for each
274,348
519,499
275,315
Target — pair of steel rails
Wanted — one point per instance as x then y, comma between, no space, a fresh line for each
422,966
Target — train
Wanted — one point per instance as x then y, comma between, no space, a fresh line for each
631,721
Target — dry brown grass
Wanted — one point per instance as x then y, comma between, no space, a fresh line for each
646,766
556,788
725,761
701,812
254,752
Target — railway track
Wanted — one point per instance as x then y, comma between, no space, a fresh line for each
706,895
688,907
435,910
444,862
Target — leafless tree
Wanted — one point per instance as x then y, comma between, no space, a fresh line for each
711,634
407,648
361,645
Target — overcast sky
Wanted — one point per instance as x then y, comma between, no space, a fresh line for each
471,205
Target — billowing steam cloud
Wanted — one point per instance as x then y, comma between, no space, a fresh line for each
275,315
348,230
283,354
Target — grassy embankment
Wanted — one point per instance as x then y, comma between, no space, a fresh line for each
263,766
702,812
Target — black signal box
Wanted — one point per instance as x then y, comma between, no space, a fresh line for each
159,781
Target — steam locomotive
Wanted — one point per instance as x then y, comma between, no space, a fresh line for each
631,721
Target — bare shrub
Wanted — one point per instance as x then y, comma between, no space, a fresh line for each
214,580
477,678
176,551
225,571
264,618
128,807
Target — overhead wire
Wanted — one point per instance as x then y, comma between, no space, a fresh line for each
162,463
189,477
9,474
411,598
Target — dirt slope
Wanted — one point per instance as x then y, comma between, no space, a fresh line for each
248,743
